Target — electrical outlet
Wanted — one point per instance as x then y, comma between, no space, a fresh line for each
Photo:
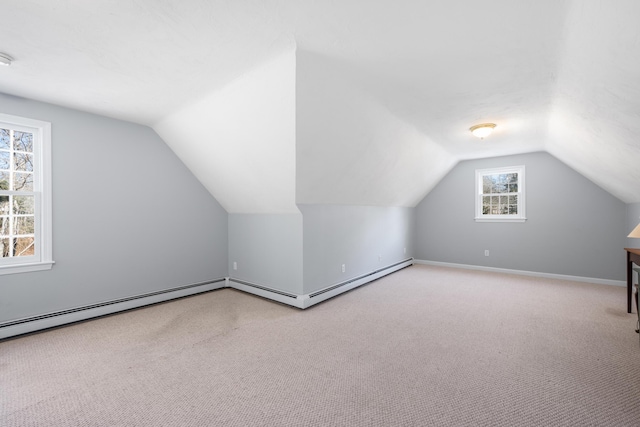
235,265
344,268
486,252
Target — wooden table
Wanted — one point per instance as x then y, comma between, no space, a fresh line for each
633,256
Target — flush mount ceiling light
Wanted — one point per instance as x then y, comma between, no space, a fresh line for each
5,59
482,130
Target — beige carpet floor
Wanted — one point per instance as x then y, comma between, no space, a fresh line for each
426,346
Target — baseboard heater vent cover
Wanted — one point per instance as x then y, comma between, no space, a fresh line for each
355,279
264,288
57,318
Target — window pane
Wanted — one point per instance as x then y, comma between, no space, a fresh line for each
501,184
487,184
22,181
23,205
4,180
513,188
503,207
4,205
23,141
513,209
5,138
4,160
23,225
495,205
4,248
24,246
4,226
23,162
486,203
512,178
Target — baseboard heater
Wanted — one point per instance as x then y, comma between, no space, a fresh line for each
355,279
57,318
264,288
62,317
305,301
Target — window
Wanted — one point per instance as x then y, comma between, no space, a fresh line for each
500,194
25,195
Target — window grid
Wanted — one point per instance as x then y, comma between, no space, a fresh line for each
500,194
25,195
17,213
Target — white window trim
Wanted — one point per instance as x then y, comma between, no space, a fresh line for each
521,217
43,260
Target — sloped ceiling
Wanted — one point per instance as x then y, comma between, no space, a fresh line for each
240,140
379,94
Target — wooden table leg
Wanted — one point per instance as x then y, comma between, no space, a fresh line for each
629,280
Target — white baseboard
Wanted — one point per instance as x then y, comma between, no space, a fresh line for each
525,273
50,320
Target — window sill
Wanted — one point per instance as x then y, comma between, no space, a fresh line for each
26,268
500,219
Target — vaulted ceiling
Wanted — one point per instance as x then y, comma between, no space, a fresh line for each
273,103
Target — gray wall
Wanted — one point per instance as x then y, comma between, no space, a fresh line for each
573,228
128,217
267,249
355,236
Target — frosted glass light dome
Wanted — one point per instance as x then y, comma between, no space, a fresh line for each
482,130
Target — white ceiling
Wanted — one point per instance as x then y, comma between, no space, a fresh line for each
383,91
